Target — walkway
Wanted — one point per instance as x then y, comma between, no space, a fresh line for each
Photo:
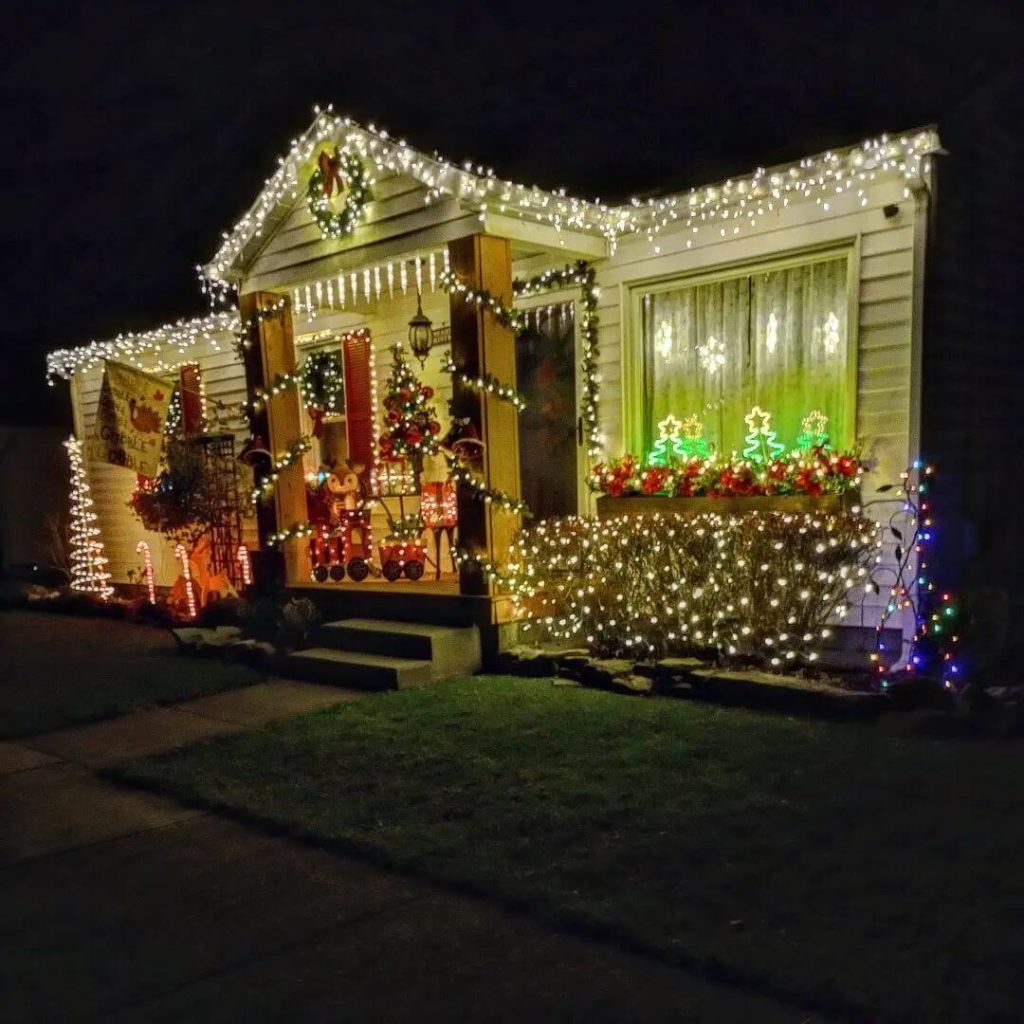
123,906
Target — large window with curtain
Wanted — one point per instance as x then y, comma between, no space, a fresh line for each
774,336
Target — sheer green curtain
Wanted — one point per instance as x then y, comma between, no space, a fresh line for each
798,346
776,339
696,358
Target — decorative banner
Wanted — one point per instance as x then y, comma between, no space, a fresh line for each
130,419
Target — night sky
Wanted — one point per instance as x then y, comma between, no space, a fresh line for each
134,134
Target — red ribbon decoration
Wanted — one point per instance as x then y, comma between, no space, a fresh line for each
316,414
330,169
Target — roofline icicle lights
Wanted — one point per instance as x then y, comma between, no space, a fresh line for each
724,206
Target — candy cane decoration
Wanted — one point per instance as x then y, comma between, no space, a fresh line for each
142,548
182,556
245,564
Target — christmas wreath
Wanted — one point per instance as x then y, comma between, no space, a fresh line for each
338,172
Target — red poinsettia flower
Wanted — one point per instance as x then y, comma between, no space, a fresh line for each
654,479
847,465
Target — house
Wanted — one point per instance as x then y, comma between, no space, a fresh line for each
798,289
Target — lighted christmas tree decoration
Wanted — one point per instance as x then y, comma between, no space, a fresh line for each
693,444
813,432
88,561
411,424
762,444
665,448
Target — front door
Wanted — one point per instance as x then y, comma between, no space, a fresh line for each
549,451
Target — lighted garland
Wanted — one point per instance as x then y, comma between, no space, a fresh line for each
266,484
484,383
293,532
508,316
318,199
481,492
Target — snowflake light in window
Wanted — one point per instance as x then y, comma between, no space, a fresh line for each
711,355
830,336
663,339
771,336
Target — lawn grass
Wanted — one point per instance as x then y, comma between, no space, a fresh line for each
62,670
869,872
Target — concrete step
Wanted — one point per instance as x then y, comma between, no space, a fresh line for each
358,670
451,650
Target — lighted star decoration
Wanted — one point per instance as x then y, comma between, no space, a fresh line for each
711,355
663,339
830,339
771,337
669,428
693,428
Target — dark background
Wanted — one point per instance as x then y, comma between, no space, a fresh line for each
134,134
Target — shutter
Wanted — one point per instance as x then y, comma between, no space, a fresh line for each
190,392
359,412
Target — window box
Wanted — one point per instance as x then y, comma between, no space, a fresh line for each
608,506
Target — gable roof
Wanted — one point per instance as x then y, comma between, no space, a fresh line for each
480,190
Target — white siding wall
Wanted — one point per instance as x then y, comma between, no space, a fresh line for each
888,330
112,486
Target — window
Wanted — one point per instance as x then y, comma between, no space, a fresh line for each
775,336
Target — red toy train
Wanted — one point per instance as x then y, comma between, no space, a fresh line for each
350,548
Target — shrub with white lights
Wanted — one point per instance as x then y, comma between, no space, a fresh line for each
759,585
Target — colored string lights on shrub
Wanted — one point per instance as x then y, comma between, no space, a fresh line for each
932,649
266,484
142,548
758,585
89,572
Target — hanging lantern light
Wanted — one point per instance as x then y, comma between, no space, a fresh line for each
421,333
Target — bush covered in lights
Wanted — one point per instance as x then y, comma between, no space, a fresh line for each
758,585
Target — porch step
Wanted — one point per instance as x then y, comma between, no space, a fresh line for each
356,669
451,650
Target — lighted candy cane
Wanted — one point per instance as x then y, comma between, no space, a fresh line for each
246,565
142,548
182,556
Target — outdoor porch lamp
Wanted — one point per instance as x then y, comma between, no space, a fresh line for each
421,332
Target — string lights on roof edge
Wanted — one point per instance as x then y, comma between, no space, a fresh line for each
724,205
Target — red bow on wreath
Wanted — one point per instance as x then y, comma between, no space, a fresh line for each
316,414
330,170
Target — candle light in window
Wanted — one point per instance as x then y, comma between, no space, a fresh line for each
711,355
771,337
663,339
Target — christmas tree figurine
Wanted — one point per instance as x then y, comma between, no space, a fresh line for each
666,447
411,426
813,434
762,444
693,444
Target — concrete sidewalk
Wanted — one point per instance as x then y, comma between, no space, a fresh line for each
124,906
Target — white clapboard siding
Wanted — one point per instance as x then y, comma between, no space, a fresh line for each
112,486
889,251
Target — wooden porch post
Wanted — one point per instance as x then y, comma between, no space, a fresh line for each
269,351
480,344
